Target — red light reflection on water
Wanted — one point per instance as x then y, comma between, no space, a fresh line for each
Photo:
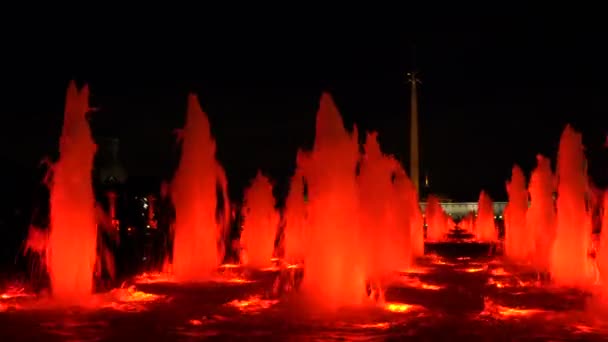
15,292
492,309
417,283
253,304
129,299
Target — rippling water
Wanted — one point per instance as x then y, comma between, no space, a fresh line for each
441,299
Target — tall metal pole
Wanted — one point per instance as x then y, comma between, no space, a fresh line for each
414,148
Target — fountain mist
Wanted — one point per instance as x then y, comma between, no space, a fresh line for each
384,220
198,244
485,229
407,196
73,229
334,258
569,260
602,249
436,220
467,223
540,218
296,219
519,242
260,223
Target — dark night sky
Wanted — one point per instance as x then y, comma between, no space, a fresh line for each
496,91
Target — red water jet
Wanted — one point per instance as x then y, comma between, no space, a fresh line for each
569,261
198,245
602,248
295,214
260,223
334,274
436,219
519,242
540,218
485,229
467,223
408,198
384,221
72,239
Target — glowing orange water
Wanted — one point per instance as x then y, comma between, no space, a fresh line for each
540,218
519,242
295,216
569,260
73,230
602,249
485,230
198,246
467,223
408,198
334,266
384,221
260,222
436,220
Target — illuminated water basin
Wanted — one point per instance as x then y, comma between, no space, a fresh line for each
438,304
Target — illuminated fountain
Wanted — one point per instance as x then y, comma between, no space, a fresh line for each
485,230
407,196
72,239
384,219
436,220
540,218
198,246
260,223
519,242
602,249
334,275
467,223
295,214
569,260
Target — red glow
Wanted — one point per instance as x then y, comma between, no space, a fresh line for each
406,194
540,219
485,230
129,299
602,249
569,261
334,258
197,233
384,218
401,307
467,223
296,218
15,292
501,312
253,304
436,220
260,223
73,229
519,241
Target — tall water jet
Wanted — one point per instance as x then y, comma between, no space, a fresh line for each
295,214
384,223
408,198
260,223
436,220
333,261
519,241
602,248
72,239
467,223
485,229
569,260
198,242
540,218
